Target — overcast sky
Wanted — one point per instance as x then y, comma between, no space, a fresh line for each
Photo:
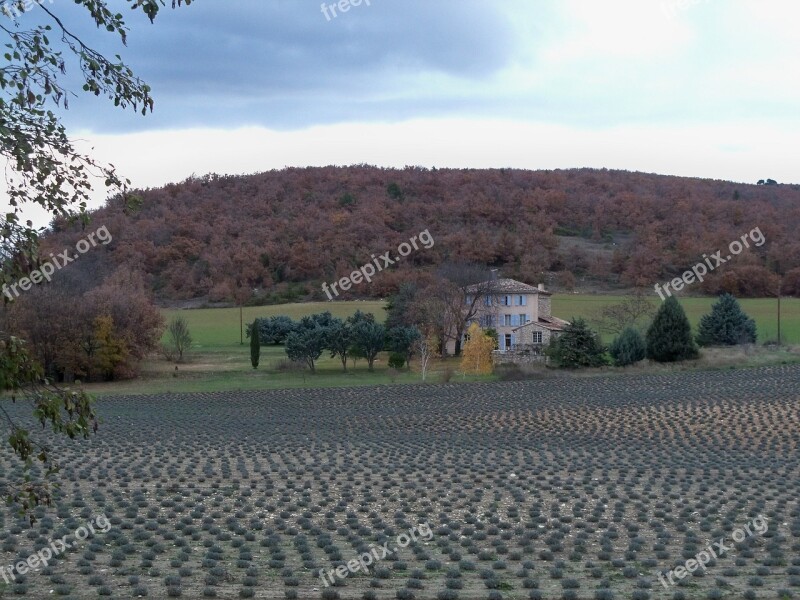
703,88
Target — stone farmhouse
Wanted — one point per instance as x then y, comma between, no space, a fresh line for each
519,313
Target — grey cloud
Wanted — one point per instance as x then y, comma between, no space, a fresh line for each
281,64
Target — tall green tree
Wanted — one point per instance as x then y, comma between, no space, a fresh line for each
274,329
399,307
255,343
339,340
577,346
310,338
669,337
359,317
323,319
370,338
726,325
402,341
306,345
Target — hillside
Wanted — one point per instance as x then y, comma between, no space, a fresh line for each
285,232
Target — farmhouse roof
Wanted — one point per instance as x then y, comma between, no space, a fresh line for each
549,323
507,286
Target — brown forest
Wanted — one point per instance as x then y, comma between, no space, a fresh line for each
276,236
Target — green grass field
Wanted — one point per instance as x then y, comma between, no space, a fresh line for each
219,361
763,310
218,328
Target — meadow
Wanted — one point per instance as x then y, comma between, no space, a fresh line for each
218,328
220,362
586,490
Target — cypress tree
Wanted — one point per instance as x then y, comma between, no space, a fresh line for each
669,338
255,343
726,325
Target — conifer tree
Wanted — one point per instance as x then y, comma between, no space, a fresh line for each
726,325
628,348
669,338
578,346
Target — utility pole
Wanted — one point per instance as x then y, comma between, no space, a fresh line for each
241,325
780,289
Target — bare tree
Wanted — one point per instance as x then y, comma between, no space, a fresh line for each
180,339
635,310
463,291
429,312
425,347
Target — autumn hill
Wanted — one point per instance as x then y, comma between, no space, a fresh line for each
282,233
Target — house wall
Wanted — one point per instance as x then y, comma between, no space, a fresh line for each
498,310
518,358
544,307
525,336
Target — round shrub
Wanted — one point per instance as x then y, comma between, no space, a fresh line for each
628,348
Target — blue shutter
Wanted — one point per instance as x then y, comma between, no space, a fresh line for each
524,300
514,321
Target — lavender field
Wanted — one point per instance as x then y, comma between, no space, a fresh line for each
601,488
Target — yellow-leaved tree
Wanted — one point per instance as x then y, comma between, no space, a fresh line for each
112,350
476,357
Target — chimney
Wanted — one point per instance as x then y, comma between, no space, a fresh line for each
493,275
541,287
